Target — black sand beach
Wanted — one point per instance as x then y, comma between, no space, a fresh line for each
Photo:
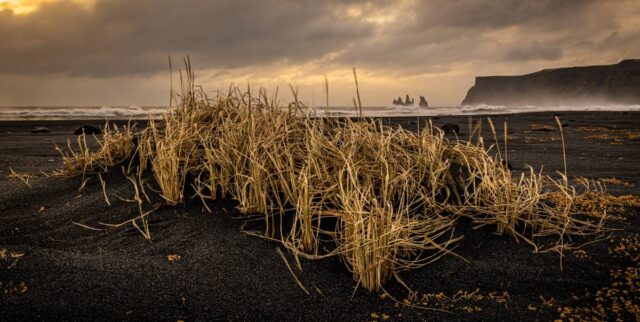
69,272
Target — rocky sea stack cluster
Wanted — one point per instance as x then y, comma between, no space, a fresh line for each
408,101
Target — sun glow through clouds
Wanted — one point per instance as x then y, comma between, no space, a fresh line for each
23,7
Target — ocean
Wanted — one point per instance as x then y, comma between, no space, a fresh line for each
13,113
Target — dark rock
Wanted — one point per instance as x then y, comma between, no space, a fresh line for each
450,128
40,129
88,130
607,84
408,101
423,102
398,101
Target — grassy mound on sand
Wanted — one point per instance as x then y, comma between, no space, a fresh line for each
384,199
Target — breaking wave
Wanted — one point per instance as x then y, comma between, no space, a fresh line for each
80,112
490,109
473,110
138,112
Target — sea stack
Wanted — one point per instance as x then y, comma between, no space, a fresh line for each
423,102
573,86
408,101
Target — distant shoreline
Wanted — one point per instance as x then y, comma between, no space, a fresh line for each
334,111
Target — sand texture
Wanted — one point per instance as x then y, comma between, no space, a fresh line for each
55,269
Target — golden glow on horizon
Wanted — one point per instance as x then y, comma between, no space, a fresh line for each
24,7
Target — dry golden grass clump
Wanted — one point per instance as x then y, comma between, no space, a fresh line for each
612,135
116,146
383,198
593,200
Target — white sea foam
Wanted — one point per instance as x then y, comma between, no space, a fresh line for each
472,110
79,112
137,112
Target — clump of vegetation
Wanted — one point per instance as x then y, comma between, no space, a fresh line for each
383,198
116,146
611,135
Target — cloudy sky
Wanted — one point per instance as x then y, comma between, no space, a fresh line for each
114,52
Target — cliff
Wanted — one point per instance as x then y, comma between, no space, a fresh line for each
606,84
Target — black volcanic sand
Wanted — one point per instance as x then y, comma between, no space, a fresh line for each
68,272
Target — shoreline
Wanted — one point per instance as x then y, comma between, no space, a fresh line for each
375,113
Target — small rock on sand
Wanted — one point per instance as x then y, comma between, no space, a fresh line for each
88,129
40,129
450,128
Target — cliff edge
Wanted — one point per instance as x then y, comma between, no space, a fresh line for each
591,85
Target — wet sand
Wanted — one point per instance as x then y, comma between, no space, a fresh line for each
69,272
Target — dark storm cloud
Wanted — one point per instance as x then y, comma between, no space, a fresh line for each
443,32
118,37
483,14
533,52
133,37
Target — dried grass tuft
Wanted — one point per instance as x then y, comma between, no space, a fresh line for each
384,199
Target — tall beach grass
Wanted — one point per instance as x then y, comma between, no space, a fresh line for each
383,198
